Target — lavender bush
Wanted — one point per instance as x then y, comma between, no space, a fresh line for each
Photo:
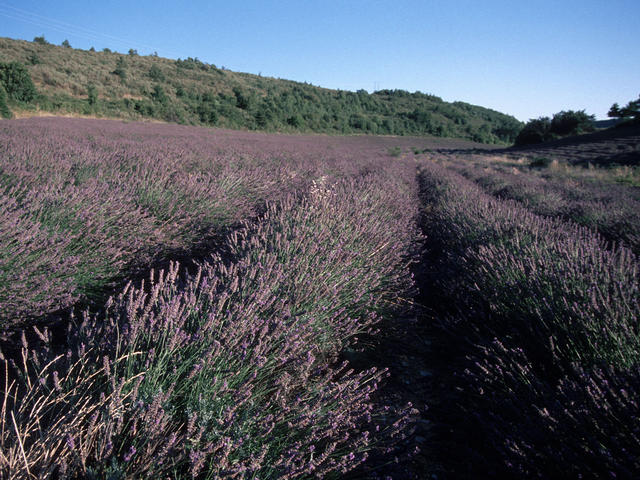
585,425
31,283
597,202
550,314
108,199
230,371
577,299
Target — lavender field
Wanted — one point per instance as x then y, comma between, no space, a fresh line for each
90,202
181,302
606,200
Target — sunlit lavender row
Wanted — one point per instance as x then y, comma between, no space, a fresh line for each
230,371
87,203
547,317
229,365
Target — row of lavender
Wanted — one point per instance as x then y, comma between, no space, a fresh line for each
544,320
600,204
85,203
230,371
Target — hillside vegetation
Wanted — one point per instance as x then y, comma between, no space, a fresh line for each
110,84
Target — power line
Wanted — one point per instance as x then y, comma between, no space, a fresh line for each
68,28
64,27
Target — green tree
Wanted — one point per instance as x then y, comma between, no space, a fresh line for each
207,112
423,120
133,52
295,121
506,130
144,107
614,111
571,123
630,110
156,74
34,59
92,94
159,95
40,40
242,101
535,131
15,79
261,118
562,124
66,43
4,108
121,69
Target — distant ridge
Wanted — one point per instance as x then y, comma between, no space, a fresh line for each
606,123
130,86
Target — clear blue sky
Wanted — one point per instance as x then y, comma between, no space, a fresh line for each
526,58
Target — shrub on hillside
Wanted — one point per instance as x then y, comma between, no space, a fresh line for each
156,74
242,100
15,79
92,94
4,108
121,69
207,112
295,121
191,64
158,94
34,59
40,40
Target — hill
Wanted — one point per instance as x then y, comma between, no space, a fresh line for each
601,124
130,86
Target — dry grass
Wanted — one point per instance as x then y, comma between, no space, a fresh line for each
618,174
625,174
22,114
71,70
37,431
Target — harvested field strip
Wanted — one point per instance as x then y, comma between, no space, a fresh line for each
539,332
231,371
610,209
